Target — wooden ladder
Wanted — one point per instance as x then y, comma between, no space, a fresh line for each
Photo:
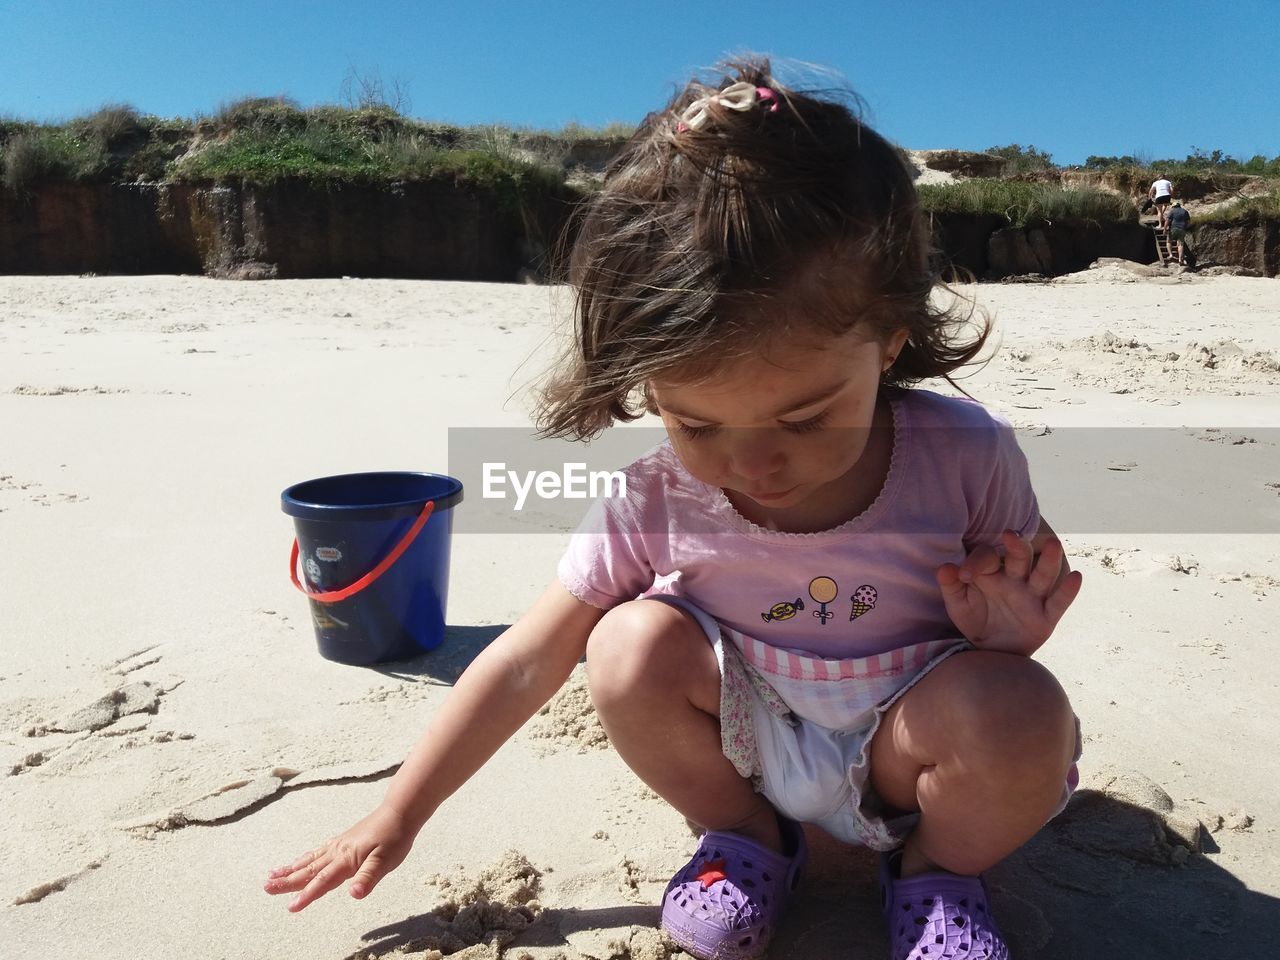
1165,248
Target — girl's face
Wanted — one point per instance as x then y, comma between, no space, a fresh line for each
783,433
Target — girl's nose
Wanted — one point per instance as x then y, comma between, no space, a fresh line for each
756,454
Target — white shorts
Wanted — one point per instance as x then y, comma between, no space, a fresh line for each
800,726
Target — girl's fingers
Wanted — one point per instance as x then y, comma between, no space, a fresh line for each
1056,603
954,590
298,864
1017,555
322,883
982,561
1047,569
948,576
295,876
368,876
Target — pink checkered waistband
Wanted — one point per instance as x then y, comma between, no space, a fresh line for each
777,662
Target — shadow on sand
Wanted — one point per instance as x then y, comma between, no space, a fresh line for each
430,931
1108,879
1119,874
444,664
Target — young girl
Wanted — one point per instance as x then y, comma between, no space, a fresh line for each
819,600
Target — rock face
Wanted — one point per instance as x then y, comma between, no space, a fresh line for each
961,240
1253,246
437,230
963,162
78,228
982,246
428,230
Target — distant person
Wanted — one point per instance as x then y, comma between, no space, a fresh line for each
823,601
1161,194
1179,222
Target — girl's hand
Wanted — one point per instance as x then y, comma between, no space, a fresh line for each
1012,605
368,851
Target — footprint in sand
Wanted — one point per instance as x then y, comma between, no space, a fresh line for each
140,700
142,697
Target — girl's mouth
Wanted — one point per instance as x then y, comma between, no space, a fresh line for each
775,495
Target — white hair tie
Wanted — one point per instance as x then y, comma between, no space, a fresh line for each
739,96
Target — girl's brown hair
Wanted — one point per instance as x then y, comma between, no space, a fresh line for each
708,240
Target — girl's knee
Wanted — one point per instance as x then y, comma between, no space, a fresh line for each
1009,704
646,645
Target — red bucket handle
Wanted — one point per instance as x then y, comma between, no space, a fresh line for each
333,596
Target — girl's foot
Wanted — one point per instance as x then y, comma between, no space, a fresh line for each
725,903
938,916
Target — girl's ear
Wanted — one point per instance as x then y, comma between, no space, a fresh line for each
650,405
892,347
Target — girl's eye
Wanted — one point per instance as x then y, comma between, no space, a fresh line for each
694,432
804,426
800,426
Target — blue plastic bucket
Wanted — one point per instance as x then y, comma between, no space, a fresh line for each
374,552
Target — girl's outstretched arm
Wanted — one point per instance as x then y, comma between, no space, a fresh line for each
503,687
1010,603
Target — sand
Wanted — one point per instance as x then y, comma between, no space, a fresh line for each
168,731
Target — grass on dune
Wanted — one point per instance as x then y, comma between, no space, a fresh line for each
1023,203
266,139
1265,207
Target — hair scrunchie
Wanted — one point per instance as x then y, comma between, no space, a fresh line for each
740,96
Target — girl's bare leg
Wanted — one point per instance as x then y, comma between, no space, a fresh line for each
656,687
981,747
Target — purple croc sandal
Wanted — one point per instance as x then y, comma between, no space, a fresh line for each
938,916
725,902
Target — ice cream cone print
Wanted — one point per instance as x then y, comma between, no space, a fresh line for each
864,600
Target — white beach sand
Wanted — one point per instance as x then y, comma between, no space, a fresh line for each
148,424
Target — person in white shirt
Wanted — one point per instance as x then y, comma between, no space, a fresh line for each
1161,194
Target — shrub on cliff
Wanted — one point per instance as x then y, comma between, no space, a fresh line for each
1265,207
1019,159
254,113
1196,162
276,141
112,144
113,127
10,127
49,153
1023,203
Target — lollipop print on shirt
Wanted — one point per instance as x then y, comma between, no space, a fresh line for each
823,590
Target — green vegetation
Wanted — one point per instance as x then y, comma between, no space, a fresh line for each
115,143
1023,203
1019,159
267,139
1197,162
48,153
610,131
1265,207
1200,174
369,140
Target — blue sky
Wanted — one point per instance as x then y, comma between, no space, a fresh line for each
1076,78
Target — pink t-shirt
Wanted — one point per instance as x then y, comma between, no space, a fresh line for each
957,479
